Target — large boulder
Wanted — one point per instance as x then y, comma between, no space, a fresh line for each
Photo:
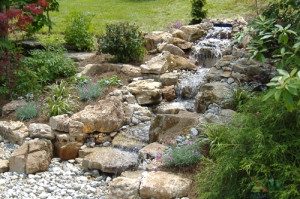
31,157
159,184
154,38
165,126
14,131
146,91
156,65
60,123
175,50
109,160
215,92
39,130
123,187
106,116
192,32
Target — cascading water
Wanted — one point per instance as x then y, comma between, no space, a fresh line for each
206,53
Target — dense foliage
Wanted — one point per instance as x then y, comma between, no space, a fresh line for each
198,13
124,41
43,67
79,33
256,154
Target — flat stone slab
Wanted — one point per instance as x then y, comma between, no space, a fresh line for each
110,160
80,56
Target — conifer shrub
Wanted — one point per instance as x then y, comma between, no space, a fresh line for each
198,13
255,155
124,41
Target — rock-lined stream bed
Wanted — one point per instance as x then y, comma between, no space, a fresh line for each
108,149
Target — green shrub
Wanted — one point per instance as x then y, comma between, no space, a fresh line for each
255,154
59,100
28,111
41,68
240,96
124,41
79,33
185,155
89,91
198,13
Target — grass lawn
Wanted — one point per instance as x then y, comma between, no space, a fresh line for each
149,15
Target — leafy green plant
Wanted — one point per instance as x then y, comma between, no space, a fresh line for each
185,155
78,32
41,68
124,41
286,86
112,81
59,100
259,145
198,13
240,96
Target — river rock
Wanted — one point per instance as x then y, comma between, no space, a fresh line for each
215,92
159,184
169,126
105,117
146,91
110,160
123,187
14,131
31,157
39,130
60,122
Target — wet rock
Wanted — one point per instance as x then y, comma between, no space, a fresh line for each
192,32
132,139
170,108
215,92
165,126
146,91
110,160
39,130
168,93
165,185
14,131
122,187
31,157
106,116
180,63
168,79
